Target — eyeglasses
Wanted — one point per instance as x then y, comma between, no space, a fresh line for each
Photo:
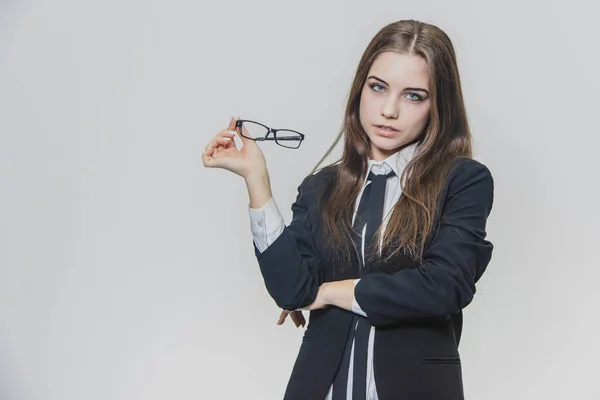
256,131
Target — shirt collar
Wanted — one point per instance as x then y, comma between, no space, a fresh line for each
396,162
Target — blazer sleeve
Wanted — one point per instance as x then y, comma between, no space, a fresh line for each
453,261
290,266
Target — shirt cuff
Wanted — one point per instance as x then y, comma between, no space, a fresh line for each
355,307
266,224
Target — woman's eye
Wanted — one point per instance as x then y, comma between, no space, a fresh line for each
415,97
377,87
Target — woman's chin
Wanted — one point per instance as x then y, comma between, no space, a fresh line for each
386,144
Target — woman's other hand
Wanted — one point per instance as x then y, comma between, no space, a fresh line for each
296,316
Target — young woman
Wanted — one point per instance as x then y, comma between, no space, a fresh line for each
386,244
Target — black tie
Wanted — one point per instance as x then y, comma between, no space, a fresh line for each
370,212
374,214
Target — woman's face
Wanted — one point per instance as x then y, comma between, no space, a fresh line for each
395,94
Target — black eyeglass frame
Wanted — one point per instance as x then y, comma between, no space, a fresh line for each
240,122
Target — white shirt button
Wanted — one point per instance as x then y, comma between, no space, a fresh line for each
259,223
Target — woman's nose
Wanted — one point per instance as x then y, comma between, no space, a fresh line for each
390,109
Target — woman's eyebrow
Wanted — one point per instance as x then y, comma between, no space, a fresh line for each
414,89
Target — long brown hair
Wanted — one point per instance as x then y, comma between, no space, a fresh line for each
445,138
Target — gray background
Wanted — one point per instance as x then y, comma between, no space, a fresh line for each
127,268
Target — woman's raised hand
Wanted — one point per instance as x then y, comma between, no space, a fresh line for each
222,152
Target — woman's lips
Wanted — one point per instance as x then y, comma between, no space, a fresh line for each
385,132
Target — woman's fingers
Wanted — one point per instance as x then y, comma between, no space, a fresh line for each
207,159
228,142
232,123
298,318
282,317
222,138
222,141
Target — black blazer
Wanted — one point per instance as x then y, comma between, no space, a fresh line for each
415,308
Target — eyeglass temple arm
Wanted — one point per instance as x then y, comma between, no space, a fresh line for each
283,138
